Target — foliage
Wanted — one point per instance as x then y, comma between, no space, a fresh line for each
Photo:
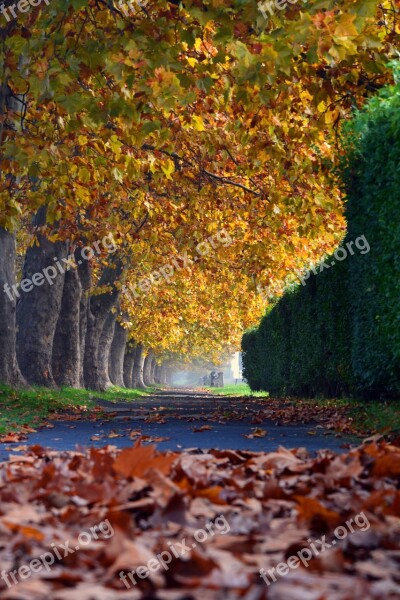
303,342
168,124
251,359
340,332
372,178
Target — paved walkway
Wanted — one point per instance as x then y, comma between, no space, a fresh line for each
183,419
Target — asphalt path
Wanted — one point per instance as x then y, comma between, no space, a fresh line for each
180,420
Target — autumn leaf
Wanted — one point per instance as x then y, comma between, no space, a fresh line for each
137,461
257,433
202,428
313,512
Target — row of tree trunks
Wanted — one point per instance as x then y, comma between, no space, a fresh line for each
39,308
162,374
157,372
56,334
63,335
139,369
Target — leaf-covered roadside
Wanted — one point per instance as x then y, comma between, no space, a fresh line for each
24,409
339,414
274,503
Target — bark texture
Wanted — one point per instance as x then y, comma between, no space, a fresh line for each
129,360
99,308
105,349
163,375
157,374
117,355
66,358
147,369
153,370
137,374
85,277
38,308
9,370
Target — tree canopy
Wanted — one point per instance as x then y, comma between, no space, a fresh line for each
171,123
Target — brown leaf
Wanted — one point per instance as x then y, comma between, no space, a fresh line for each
25,530
312,511
257,433
202,428
387,465
136,461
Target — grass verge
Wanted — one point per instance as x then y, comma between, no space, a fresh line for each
241,389
366,418
376,416
30,407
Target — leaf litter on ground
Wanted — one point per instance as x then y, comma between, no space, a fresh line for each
273,502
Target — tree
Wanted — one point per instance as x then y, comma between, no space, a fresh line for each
167,125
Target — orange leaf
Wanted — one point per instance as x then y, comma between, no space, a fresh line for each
136,461
387,466
310,510
26,530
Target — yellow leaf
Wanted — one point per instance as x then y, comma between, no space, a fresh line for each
168,168
198,123
345,28
84,175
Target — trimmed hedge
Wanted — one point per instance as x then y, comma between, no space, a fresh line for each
339,333
302,345
251,359
371,175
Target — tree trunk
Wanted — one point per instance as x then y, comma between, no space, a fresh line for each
137,374
129,360
99,308
163,375
105,349
66,359
85,277
38,308
147,369
157,373
169,375
117,355
153,370
9,370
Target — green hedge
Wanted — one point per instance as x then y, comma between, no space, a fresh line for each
302,345
339,333
251,359
371,175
